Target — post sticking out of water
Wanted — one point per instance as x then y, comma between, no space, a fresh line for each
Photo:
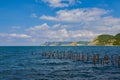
33,53
106,58
73,56
94,59
53,55
78,57
119,61
49,54
60,55
112,59
88,56
82,56
101,61
64,55
43,54
98,57
69,56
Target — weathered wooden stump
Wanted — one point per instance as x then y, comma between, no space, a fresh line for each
82,56
88,56
78,57
112,60
49,55
106,58
94,59
53,55
119,61
98,57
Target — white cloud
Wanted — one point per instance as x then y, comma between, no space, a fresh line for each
33,15
47,32
16,27
19,35
79,24
48,18
39,27
14,39
92,19
61,3
104,25
77,15
58,32
14,35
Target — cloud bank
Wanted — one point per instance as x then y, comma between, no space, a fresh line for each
92,19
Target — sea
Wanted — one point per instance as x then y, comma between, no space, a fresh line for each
27,63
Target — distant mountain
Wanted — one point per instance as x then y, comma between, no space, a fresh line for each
106,39
80,43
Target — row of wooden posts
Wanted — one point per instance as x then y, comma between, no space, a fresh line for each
96,58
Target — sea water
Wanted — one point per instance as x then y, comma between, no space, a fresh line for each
26,63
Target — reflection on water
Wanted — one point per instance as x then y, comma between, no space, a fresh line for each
29,63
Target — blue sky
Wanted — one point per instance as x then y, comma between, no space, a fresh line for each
33,22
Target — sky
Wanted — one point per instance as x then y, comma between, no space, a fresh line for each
33,22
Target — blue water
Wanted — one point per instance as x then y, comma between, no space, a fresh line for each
26,63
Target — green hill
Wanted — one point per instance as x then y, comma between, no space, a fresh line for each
117,37
106,39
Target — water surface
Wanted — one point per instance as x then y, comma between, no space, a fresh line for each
26,63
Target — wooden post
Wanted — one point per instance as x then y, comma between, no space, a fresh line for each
70,56
60,55
64,55
98,57
119,61
94,59
106,58
74,56
82,56
88,57
53,55
41,54
49,55
101,62
78,57
112,59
